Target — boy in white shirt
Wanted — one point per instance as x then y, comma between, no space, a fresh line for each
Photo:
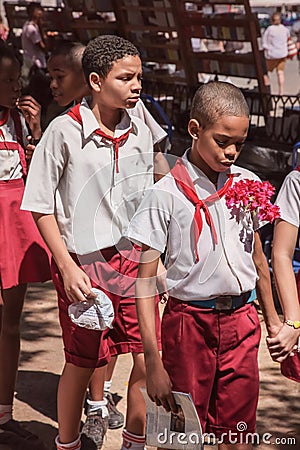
210,327
68,85
96,162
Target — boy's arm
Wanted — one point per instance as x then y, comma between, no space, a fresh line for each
264,288
161,166
284,242
161,282
76,283
158,382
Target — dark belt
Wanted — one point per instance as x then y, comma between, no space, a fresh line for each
226,302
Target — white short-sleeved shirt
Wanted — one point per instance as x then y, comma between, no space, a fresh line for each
275,40
140,111
288,199
31,36
165,219
73,175
10,164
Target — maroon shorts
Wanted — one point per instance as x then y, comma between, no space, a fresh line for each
125,336
213,356
113,270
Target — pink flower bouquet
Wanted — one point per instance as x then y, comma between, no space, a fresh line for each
252,196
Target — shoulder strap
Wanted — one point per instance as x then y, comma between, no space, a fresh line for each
18,126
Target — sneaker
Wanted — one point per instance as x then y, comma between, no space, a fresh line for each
116,418
18,438
95,427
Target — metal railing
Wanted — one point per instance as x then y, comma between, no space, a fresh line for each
273,117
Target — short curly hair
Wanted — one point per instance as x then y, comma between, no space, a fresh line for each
217,99
101,53
71,51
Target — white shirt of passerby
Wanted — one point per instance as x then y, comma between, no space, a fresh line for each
275,40
33,54
73,175
165,219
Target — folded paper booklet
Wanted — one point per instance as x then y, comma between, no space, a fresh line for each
179,431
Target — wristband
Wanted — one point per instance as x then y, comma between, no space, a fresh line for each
293,323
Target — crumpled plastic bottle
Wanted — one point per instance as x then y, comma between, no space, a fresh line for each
95,314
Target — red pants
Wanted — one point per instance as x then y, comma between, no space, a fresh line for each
213,356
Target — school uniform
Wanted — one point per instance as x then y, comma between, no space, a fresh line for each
24,256
140,111
209,342
93,185
288,198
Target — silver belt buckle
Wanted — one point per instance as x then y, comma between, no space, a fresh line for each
224,302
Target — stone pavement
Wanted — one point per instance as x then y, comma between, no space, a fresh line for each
42,360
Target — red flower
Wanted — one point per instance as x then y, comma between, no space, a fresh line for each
254,197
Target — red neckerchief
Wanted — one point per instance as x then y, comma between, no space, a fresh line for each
184,181
117,141
298,168
19,145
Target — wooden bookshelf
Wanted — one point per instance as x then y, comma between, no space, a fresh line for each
165,31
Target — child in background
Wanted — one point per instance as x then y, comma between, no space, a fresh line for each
96,162
69,85
23,256
210,327
284,242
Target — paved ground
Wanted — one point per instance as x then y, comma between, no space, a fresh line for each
42,360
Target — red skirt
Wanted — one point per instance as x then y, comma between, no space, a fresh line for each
24,257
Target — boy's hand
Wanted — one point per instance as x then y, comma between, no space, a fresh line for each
159,387
31,111
77,284
29,149
282,345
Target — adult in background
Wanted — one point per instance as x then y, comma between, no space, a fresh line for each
275,44
33,40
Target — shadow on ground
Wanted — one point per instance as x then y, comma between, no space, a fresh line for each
46,433
38,390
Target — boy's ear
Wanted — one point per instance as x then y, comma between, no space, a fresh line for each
95,81
194,128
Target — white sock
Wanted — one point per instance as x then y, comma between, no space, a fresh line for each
75,445
133,441
93,406
5,413
107,385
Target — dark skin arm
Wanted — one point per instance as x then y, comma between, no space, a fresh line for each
158,383
264,289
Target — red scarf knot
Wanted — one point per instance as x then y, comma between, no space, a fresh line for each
184,181
116,141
